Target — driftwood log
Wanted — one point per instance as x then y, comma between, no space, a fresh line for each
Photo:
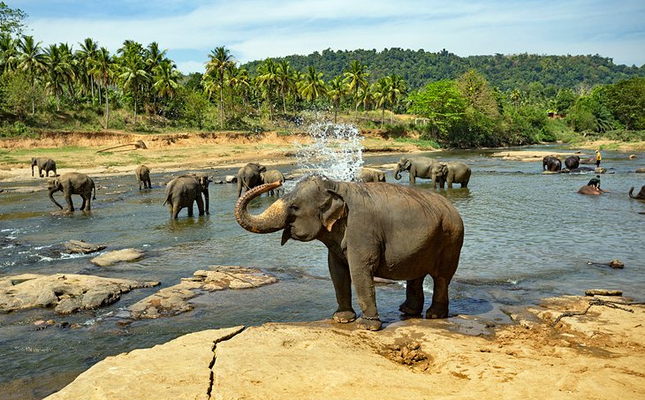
139,144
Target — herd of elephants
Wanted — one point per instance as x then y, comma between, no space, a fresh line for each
357,222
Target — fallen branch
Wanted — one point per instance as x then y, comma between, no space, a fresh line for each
596,302
139,144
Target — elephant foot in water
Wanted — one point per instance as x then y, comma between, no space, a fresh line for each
369,323
437,310
344,317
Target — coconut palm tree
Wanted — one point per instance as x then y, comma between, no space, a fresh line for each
356,79
166,79
267,81
8,53
31,61
286,81
380,93
239,82
218,63
103,70
336,90
312,86
133,76
86,57
397,89
59,70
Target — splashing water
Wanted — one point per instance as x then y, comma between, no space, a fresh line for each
336,152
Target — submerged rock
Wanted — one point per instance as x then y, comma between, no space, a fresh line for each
66,292
81,247
117,256
174,300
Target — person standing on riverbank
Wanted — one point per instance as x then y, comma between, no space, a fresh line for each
598,158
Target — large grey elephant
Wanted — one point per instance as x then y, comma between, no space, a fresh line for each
73,183
551,163
451,172
572,162
272,175
43,164
370,230
640,195
249,177
143,176
371,175
418,167
183,191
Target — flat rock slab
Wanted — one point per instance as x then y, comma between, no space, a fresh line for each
113,257
174,300
66,292
81,247
179,369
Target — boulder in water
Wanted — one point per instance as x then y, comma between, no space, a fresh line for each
81,247
117,256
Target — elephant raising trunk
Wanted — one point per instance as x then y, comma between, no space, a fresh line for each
271,220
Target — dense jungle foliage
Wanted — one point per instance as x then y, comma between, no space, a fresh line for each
439,97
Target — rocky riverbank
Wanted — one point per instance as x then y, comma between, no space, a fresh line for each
573,347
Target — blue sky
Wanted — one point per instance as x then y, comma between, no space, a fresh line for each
254,29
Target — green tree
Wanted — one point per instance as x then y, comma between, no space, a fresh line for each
356,79
103,70
267,81
626,102
31,62
8,53
442,104
11,19
133,75
86,57
285,80
218,63
59,70
166,79
312,86
336,90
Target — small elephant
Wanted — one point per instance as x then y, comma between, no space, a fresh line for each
143,176
272,175
73,183
371,230
43,164
572,162
419,167
591,190
640,195
454,171
551,163
184,190
371,175
249,177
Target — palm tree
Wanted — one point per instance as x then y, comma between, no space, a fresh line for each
380,92
336,89
31,61
103,70
59,70
356,79
166,79
218,63
86,57
8,53
238,81
267,81
397,90
313,85
286,80
133,76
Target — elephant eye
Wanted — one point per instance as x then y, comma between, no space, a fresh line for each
293,208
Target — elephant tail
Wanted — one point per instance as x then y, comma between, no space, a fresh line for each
93,191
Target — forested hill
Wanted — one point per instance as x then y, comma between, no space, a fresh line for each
420,67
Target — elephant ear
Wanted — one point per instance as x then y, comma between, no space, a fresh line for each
444,168
406,164
332,210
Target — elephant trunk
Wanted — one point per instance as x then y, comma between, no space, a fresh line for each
271,220
631,195
397,173
51,197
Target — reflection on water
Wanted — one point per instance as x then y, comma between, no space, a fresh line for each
528,236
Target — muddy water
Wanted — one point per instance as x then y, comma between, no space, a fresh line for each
528,236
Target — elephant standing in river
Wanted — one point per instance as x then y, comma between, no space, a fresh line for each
371,175
183,191
43,164
419,167
270,176
73,183
454,171
143,176
572,162
551,163
370,230
249,176
640,195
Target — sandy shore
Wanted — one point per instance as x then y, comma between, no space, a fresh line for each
569,348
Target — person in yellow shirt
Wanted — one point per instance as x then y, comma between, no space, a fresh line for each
598,158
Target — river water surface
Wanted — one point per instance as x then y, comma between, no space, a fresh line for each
528,236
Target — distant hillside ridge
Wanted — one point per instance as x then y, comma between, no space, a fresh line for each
507,72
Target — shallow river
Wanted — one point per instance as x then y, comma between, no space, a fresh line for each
528,236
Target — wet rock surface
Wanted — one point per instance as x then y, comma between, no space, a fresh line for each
117,256
67,293
174,300
82,247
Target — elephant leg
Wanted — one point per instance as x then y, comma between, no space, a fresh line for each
450,183
340,277
85,203
175,211
414,297
439,306
200,204
190,209
360,269
70,205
